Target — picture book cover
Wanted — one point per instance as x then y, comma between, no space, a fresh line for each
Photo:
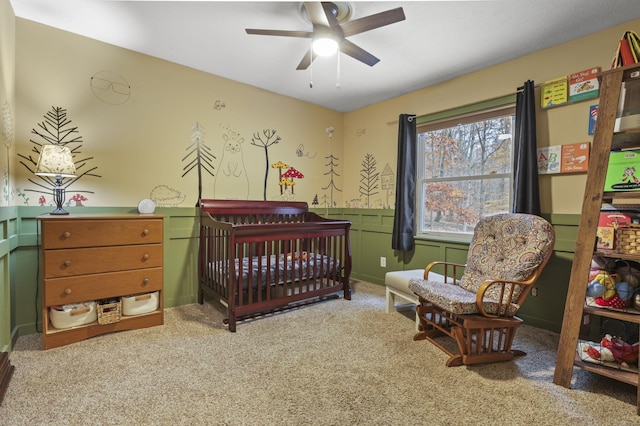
554,92
549,159
574,157
584,85
593,118
607,225
623,173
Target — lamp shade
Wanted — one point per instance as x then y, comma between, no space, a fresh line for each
56,160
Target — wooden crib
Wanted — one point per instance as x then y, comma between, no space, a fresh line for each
259,256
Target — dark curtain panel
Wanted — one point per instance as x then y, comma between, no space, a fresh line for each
404,215
526,195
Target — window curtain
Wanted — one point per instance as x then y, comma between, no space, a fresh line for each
404,215
526,194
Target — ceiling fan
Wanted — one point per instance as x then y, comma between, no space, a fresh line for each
325,17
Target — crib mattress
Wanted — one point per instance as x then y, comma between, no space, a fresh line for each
272,270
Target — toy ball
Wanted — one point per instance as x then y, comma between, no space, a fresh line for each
625,290
595,289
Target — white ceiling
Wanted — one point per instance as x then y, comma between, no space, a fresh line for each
439,40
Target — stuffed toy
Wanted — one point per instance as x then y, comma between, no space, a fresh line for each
612,349
604,288
297,256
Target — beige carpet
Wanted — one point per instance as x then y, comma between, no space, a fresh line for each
333,363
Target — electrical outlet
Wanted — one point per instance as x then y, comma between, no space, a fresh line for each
534,291
383,262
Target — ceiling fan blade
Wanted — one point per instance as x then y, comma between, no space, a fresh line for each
328,9
306,60
356,52
283,33
316,13
371,22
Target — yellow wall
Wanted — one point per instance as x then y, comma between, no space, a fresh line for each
7,97
137,142
367,130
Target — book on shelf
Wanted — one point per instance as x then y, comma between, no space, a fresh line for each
554,92
549,159
627,55
593,119
608,222
584,85
628,114
628,51
574,157
623,171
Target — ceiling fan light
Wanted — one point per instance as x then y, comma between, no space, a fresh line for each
325,46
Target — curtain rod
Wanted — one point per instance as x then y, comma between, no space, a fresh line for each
536,86
411,117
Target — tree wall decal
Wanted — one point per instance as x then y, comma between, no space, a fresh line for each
7,140
270,138
368,178
200,157
332,164
56,129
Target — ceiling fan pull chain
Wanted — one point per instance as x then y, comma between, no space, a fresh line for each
338,72
311,66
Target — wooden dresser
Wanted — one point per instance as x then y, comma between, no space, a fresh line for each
97,257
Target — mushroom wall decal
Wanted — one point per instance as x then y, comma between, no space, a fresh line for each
78,198
280,165
292,173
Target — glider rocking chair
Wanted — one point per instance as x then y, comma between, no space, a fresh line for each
506,256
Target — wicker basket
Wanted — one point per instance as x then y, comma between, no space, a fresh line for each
109,312
628,238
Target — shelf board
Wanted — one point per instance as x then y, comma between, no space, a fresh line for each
626,139
616,254
630,315
613,373
74,334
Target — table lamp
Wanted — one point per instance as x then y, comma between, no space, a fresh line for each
56,161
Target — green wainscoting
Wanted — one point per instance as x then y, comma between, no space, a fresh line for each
8,244
370,240
180,256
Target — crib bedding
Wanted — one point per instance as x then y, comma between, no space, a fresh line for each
272,270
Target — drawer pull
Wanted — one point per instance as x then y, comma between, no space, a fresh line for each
145,256
67,263
145,232
66,235
145,281
67,290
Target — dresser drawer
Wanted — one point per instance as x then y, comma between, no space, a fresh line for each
70,262
100,232
60,291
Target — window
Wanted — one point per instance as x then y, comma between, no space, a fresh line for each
464,171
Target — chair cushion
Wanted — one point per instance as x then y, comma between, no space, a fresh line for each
399,280
454,298
507,246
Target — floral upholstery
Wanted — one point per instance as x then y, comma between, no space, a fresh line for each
506,246
454,298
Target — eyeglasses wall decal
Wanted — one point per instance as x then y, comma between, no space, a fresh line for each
110,87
